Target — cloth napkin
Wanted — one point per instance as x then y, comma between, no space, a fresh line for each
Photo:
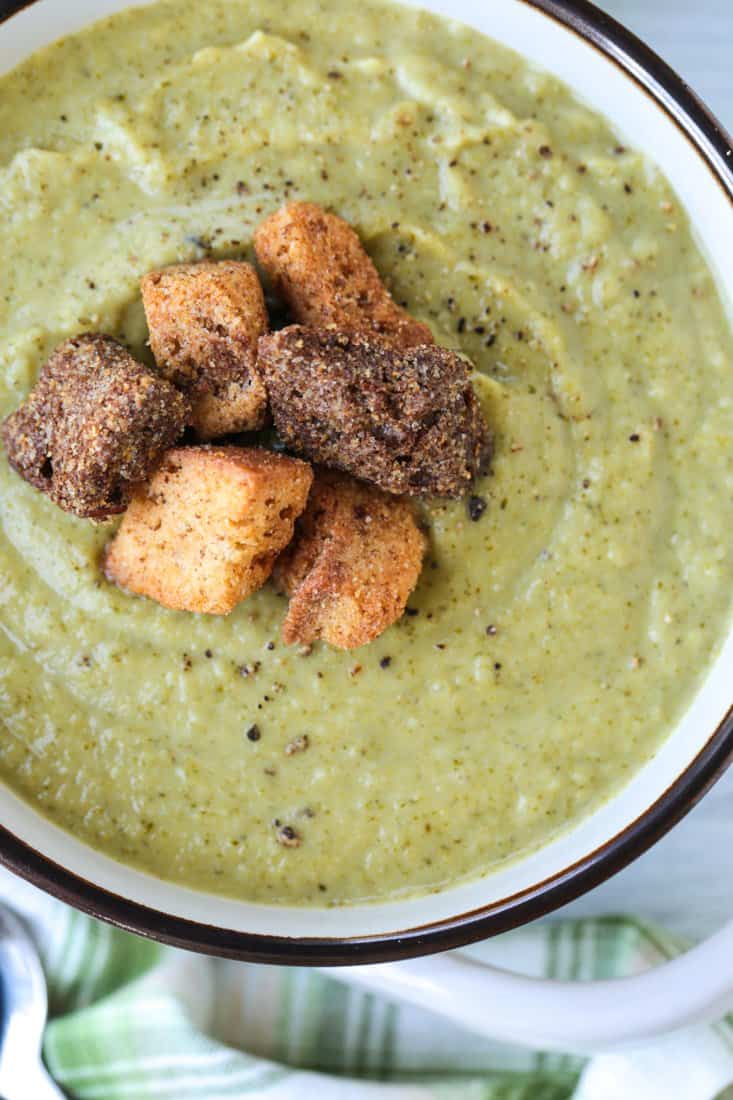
132,1020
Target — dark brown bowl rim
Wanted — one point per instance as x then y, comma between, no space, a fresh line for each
713,144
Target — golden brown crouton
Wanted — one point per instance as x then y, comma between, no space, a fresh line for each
204,321
354,561
204,532
95,424
316,262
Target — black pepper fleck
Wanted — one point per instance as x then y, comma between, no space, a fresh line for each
200,242
545,151
249,669
476,508
253,733
634,437
385,662
288,837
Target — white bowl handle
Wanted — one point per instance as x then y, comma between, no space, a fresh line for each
569,1016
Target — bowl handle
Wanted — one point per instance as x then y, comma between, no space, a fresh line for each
571,1016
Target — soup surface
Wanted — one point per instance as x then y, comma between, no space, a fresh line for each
553,642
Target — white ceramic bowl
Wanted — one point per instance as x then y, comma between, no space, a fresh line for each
652,109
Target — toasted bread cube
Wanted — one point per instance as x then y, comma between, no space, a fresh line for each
204,321
95,425
406,419
317,263
205,531
355,559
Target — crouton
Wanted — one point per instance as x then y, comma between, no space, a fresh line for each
204,321
94,425
205,531
317,263
352,565
407,420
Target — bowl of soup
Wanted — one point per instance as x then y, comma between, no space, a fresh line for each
544,194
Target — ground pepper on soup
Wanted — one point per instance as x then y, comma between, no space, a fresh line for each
565,613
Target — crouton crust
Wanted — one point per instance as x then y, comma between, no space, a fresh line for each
317,263
355,559
94,425
407,420
204,321
205,531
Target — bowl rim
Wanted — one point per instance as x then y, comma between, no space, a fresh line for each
713,144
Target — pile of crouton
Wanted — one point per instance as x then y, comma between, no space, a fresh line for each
371,412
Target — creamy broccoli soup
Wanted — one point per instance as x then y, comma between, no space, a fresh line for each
556,634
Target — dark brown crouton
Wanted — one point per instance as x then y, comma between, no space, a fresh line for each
205,531
407,420
94,426
204,321
317,263
352,565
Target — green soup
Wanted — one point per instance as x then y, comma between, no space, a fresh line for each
552,643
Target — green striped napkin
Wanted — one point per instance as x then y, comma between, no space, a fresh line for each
131,1020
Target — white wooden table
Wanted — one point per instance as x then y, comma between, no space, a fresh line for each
685,881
